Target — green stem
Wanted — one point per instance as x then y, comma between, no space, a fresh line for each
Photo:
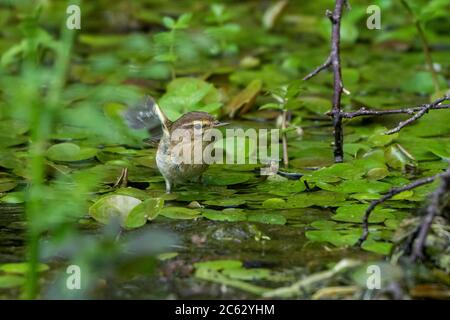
43,114
425,45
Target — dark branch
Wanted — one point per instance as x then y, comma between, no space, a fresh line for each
418,115
367,112
438,201
393,192
334,60
316,71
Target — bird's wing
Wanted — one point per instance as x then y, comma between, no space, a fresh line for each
148,115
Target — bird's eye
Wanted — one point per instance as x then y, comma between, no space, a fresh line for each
197,126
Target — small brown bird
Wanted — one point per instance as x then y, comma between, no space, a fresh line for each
149,115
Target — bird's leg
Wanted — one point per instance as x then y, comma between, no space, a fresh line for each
122,180
168,185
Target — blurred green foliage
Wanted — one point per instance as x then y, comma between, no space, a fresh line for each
63,142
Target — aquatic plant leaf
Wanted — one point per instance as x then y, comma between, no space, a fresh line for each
13,198
228,202
113,207
355,213
335,237
7,184
220,178
380,247
245,99
218,264
267,218
70,152
179,213
225,215
274,203
147,210
353,186
11,281
21,267
247,274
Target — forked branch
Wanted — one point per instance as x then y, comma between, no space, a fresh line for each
334,61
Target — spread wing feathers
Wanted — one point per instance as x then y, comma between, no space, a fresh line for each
147,115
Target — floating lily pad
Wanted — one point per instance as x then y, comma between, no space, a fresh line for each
11,281
282,188
218,264
13,198
7,184
380,247
179,213
353,186
355,213
70,152
267,218
324,224
220,178
230,215
21,267
274,203
147,210
335,237
318,198
229,202
247,274
115,207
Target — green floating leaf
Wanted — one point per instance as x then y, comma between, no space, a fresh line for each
274,203
70,152
7,184
167,256
218,264
379,138
377,173
398,158
188,94
245,99
230,215
179,213
336,173
356,186
422,82
317,105
130,211
247,274
220,178
318,198
383,248
13,198
355,213
147,210
11,281
324,224
282,188
267,218
21,267
230,202
335,237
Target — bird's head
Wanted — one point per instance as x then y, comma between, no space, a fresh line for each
196,122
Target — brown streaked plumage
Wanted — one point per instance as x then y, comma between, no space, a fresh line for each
150,116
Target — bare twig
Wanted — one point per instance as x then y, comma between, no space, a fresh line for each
411,110
389,195
438,200
334,61
418,115
284,139
316,71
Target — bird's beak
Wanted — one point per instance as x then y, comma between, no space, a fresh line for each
220,124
